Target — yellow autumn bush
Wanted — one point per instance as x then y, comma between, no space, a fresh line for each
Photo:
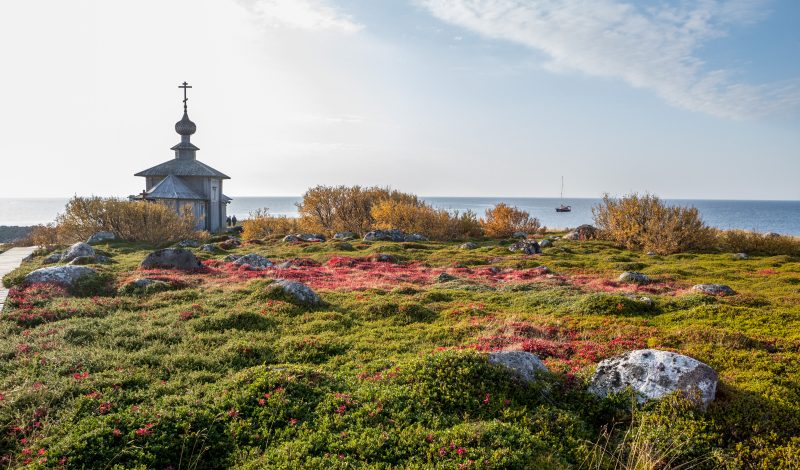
502,221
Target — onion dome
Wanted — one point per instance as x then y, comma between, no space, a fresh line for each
185,126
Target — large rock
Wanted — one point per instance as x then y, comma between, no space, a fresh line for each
171,258
295,292
631,277
713,289
101,237
522,363
528,247
77,250
416,237
582,232
652,374
253,260
62,275
468,246
304,237
52,258
546,243
393,235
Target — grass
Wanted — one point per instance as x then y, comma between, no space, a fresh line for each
210,372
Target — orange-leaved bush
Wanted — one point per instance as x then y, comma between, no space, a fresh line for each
503,221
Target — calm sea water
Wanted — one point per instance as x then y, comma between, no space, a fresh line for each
762,216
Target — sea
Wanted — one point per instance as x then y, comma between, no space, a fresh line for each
762,216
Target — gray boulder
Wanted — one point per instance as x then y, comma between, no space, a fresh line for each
522,363
208,248
528,247
188,243
171,258
739,256
254,261
630,277
546,243
416,237
652,374
468,246
393,235
52,258
444,277
62,275
101,237
713,289
344,236
519,235
296,292
582,232
77,250
304,237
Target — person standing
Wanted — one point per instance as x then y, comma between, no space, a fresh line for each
233,221
228,221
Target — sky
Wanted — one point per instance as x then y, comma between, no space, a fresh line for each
695,99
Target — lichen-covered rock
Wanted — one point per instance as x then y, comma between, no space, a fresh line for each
188,243
253,260
82,260
652,374
630,277
582,232
208,248
304,237
528,247
62,275
344,236
79,249
393,235
522,363
171,258
52,258
713,289
416,237
468,246
294,292
739,256
101,237
546,243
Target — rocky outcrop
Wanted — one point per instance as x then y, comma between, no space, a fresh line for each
252,260
62,275
713,289
77,250
521,363
171,258
630,277
582,232
652,374
294,292
528,247
304,237
393,235
101,237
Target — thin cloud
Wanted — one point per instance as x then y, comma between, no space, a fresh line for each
652,47
310,15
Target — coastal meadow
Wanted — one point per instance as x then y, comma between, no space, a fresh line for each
211,371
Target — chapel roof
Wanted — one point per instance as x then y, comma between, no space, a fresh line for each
172,187
183,167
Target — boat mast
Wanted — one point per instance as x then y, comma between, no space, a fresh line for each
562,190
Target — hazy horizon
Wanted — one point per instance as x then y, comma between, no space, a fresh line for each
447,98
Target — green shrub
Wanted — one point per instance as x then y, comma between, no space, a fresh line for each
611,304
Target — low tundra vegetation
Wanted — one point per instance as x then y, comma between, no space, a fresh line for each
391,370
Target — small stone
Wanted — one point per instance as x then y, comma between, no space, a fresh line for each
101,237
546,243
81,260
652,253
522,363
208,248
171,258
653,374
188,243
468,246
528,247
304,237
739,256
713,289
79,249
631,277
444,277
383,258
296,292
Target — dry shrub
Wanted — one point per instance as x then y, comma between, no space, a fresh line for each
437,224
137,221
502,221
331,209
645,222
261,224
741,241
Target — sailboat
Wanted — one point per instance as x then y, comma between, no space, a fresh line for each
562,207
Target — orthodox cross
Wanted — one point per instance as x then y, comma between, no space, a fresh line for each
185,99
143,195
